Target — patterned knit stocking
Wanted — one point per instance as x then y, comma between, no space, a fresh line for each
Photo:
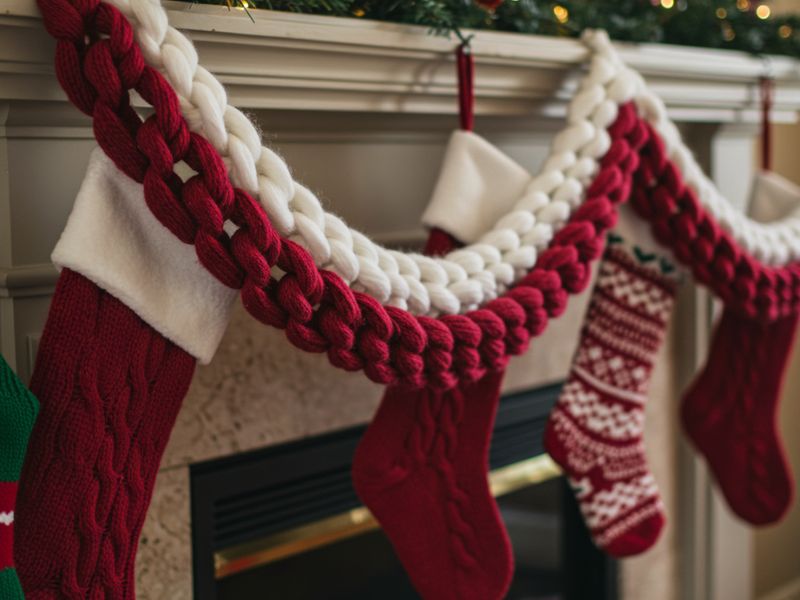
595,429
18,408
421,468
110,389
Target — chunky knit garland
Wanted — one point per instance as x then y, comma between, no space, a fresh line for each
98,62
465,278
478,273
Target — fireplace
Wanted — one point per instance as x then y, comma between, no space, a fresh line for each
284,522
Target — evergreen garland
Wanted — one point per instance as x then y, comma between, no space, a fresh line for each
733,24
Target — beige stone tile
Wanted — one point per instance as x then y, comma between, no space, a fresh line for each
164,560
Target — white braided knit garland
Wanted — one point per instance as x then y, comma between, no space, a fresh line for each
471,276
461,281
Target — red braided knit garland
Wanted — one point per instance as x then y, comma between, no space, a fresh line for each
680,222
315,307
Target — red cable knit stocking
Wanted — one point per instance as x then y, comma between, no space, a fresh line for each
595,429
730,415
110,388
421,468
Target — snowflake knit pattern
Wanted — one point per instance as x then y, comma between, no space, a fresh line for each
18,410
595,429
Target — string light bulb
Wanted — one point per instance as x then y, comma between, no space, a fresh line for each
667,3
721,13
728,34
763,12
785,31
561,13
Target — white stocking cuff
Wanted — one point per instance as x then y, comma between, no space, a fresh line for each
113,239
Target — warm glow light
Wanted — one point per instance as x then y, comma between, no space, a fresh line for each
561,13
743,4
785,31
359,12
667,3
763,11
728,33
721,13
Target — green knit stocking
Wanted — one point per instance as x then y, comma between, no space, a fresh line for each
18,409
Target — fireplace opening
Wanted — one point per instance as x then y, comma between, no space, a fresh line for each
285,523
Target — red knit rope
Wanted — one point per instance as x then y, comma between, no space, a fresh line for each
98,62
680,222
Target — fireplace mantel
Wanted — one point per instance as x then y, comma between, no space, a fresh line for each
338,96
279,60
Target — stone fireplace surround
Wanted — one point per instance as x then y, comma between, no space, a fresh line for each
375,102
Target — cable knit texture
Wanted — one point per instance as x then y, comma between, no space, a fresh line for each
18,410
730,413
421,469
110,389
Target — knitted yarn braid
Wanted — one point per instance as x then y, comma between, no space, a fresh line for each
680,223
357,333
110,388
457,281
481,271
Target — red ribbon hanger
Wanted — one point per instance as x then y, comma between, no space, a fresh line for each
466,93
767,89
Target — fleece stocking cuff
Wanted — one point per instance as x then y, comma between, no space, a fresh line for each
477,185
113,240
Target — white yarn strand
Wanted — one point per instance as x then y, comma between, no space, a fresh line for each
471,276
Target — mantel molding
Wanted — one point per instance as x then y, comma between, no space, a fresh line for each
306,62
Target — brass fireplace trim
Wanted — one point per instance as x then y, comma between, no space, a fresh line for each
340,527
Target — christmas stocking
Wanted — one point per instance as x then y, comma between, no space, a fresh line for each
110,384
422,465
18,408
731,409
595,429
421,468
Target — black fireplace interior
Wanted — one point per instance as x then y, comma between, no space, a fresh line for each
267,494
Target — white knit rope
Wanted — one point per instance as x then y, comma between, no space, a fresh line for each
464,279
473,275
776,243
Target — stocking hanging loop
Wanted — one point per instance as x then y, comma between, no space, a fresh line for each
465,66
767,90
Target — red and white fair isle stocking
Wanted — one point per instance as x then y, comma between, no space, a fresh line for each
595,429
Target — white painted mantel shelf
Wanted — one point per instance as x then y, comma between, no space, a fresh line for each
290,61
